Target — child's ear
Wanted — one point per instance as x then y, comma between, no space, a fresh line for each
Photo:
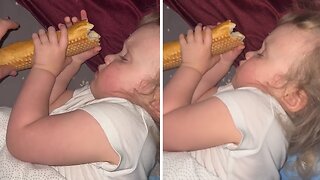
295,100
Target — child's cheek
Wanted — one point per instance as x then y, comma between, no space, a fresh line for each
246,72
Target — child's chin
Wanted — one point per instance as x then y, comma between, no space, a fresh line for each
96,74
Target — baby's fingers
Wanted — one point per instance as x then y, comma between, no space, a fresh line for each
198,33
63,41
43,36
67,21
234,53
74,19
52,35
83,14
182,40
207,35
36,39
190,36
229,57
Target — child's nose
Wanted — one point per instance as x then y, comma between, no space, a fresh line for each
241,62
108,59
249,54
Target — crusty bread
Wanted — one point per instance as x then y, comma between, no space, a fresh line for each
80,39
223,40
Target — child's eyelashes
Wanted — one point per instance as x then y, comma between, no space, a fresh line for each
122,58
259,54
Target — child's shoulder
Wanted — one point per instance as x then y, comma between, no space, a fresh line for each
250,100
117,107
117,103
243,94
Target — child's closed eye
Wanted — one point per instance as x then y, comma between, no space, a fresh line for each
123,58
259,54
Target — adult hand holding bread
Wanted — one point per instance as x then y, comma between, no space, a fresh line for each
5,25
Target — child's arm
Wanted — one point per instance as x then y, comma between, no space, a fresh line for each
196,60
199,126
64,139
207,84
59,94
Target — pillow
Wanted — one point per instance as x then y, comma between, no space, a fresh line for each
113,20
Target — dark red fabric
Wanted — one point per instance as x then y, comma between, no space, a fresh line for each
254,18
114,20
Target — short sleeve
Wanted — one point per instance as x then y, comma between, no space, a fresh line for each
125,129
255,115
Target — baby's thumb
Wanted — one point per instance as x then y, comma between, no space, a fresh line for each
92,52
234,53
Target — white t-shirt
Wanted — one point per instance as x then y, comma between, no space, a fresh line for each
130,130
263,148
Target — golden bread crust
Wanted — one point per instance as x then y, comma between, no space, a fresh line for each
20,54
223,40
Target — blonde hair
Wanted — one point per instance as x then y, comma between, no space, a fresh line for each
147,95
306,76
153,17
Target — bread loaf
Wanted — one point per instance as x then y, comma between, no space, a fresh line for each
223,40
80,38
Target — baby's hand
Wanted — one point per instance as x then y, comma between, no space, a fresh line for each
50,51
82,57
196,49
229,57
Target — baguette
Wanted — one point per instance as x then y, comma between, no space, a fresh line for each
80,38
223,40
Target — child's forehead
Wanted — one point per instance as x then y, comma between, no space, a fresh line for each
288,42
148,29
144,35
292,35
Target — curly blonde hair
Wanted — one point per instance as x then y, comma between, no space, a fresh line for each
305,136
147,95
